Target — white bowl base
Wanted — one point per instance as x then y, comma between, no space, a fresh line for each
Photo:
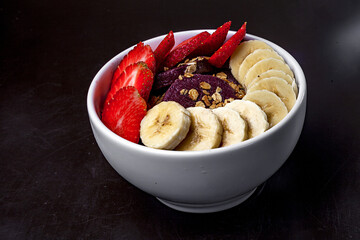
208,208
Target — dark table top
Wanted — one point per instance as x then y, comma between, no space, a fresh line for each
56,184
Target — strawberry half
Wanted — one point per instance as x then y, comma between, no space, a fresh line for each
224,52
214,42
139,53
184,49
123,114
137,75
164,48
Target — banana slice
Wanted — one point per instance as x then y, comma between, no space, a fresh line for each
255,118
278,86
270,103
295,88
240,53
263,66
165,125
253,58
276,73
234,126
205,131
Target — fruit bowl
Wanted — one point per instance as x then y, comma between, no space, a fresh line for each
198,181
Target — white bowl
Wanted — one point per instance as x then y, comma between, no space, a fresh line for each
200,181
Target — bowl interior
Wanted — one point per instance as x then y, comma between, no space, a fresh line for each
101,82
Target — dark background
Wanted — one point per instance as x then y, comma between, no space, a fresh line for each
56,184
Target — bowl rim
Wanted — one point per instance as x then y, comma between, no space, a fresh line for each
289,59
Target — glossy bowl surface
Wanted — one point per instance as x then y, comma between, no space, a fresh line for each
200,181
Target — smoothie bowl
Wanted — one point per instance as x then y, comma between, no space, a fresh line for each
205,180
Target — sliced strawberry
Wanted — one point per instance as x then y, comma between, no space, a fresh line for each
139,53
224,52
137,75
214,42
164,48
124,112
184,49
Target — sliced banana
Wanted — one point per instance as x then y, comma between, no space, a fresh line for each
165,125
241,52
295,87
234,126
205,131
253,58
270,103
276,73
278,86
265,65
255,118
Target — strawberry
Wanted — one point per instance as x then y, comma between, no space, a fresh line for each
214,42
124,112
137,75
224,52
184,49
164,48
139,53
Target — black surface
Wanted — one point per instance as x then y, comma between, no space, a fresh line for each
56,184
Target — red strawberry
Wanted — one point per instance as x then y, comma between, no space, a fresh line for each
224,52
184,49
139,53
164,48
214,42
124,112
137,75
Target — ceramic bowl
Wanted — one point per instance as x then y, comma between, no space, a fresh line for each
198,181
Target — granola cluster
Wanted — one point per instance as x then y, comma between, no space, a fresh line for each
211,101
